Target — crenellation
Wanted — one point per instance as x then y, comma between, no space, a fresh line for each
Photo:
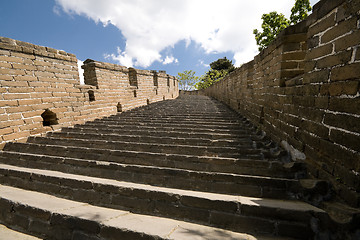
35,78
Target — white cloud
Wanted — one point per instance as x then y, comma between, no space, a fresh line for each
150,26
169,59
81,71
201,63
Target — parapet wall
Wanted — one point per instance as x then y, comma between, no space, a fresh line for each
34,79
304,89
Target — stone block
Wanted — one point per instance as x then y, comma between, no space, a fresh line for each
350,71
319,52
322,25
339,30
346,139
340,88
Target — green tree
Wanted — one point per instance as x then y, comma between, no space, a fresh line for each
274,23
218,70
300,11
211,77
222,63
187,80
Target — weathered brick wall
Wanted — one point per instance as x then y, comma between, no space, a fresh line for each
304,89
35,78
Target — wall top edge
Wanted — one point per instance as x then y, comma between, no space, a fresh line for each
116,67
32,49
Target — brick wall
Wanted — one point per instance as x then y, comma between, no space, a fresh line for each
34,79
304,89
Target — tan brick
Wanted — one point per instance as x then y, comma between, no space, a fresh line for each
18,109
6,78
47,79
42,63
321,26
7,130
14,116
29,101
10,96
17,135
13,83
45,74
20,90
6,71
31,126
11,59
39,84
22,55
25,78
40,95
23,66
4,103
11,123
42,106
51,99
32,113
5,65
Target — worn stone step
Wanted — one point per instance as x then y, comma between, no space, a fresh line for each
219,210
182,161
175,119
71,133
165,122
234,152
50,217
11,234
246,185
171,131
180,116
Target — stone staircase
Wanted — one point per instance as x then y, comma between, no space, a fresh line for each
188,168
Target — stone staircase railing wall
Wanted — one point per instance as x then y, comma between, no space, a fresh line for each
304,89
40,89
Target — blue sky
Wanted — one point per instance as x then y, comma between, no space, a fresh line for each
171,35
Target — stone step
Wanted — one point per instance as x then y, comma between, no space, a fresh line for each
72,133
180,116
7,233
176,119
50,217
246,185
171,131
225,211
232,152
181,161
167,122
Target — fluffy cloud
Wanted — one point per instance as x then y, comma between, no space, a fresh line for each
169,59
149,27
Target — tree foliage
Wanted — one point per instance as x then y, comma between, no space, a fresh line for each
222,63
274,23
187,80
300,11
211,77
218,70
